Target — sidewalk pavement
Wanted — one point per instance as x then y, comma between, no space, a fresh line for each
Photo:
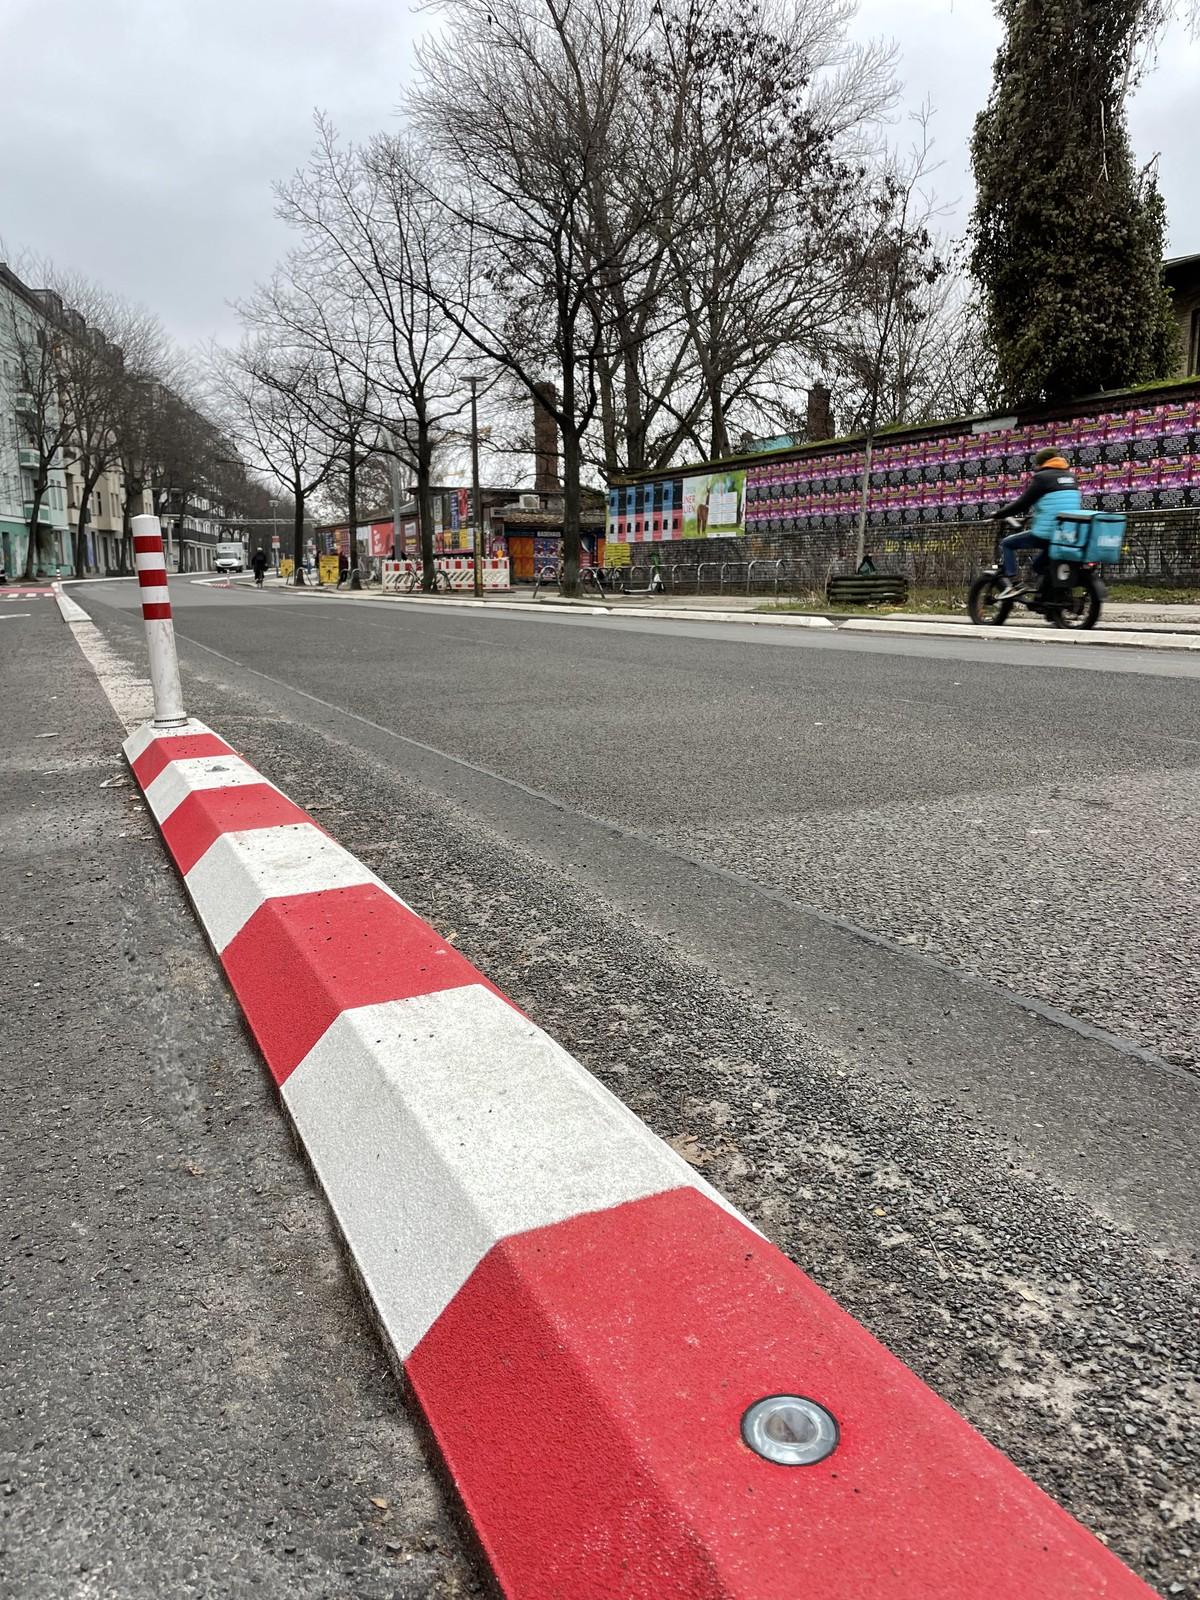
1118,616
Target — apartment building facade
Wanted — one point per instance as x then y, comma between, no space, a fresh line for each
22,318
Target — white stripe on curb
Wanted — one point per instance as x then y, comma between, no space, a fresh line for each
442,1124
1014,633
69,611
180,778
239,871
1142,640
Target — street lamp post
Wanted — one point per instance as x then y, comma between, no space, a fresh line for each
474,382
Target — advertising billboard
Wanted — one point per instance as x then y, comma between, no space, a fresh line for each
714,506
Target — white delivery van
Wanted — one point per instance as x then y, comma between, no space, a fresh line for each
230,558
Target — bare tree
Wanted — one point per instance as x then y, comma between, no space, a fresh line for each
314,308
376,242
896,271
526,106
37,335
758,112
110,350
164,442
180,450
267,403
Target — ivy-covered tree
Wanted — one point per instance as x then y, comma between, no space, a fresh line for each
1067,235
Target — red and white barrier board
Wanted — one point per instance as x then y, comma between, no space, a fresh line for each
584,1323
459,569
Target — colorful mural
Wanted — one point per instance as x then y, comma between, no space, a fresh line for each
1132,458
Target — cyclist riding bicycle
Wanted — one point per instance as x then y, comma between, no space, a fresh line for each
1050,491
258,562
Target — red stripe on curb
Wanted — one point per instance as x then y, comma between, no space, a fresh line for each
206,814
162,752
587,1386
156,611
151,577
302,960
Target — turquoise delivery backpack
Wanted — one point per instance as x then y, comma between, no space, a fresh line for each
1088,536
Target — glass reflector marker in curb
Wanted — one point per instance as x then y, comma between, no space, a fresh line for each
790,1430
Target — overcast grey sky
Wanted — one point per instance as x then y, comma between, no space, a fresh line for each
140,139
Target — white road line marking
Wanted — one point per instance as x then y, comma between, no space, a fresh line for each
131,697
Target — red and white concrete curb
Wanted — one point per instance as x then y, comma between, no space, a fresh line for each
583,1322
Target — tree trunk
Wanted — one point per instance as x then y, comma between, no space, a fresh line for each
32,544
134,487
635,420
608,418
425,501
85,502
125,560
719,433
572,458
352,509
572,453
298,534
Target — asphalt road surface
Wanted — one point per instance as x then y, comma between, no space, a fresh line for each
894,939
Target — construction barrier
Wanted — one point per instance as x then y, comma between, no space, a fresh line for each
459,569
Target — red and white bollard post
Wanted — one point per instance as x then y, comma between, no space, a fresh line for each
151,568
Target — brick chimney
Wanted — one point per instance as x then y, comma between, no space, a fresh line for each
818,423
545,442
